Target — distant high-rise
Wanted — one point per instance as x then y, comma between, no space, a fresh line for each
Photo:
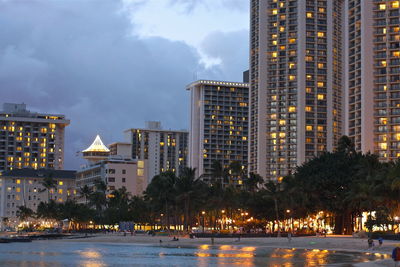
373,76
164,150
218,124
296,59
30,140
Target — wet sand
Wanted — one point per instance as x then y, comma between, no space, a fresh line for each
333,243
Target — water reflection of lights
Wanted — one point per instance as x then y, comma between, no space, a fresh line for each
92,258
204,247
316,257
91,254
248,249
235,255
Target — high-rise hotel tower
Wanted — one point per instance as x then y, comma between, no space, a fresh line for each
218,125
30,140
296,59
373,76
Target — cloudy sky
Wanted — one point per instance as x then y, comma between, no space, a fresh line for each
110,65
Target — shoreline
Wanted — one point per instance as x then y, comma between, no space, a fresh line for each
330,243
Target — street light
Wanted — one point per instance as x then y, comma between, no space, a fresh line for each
204,220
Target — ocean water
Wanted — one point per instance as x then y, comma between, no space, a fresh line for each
85,254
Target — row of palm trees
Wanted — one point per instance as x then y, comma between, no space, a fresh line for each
343,184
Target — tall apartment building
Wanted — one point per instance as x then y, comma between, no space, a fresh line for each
296,83
164,150
218,124
373,76
30,140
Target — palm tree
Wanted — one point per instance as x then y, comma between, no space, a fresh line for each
187,186
252,182
273,192
85,192
161,192
24,213
49,183
219,174
98,199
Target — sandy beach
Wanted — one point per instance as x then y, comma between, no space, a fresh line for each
333,243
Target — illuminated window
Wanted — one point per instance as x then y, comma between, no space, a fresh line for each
60,191
321,10
244,138
396,53
321,65
18,189
321,34
281,29
382,6
18,181
291,65
282,122
309,128
320,128
309,14
320,84
292,109
274,54
383,120
60,183
292,77
320,97
140,172
395,4
383,145
274,11
308,109
292,40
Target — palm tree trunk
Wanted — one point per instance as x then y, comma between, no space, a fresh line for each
277,216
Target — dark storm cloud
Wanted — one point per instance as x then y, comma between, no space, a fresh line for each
79,58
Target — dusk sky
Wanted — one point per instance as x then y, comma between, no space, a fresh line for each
112,65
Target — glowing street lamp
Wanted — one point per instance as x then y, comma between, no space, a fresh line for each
204,219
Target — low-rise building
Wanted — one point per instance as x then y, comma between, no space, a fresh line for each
115,167
24,187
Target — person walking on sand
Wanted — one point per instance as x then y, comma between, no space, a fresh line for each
396,256
370,243
380,241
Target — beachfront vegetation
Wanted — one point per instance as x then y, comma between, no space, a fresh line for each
339,186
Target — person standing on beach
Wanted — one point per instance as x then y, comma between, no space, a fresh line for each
396,256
